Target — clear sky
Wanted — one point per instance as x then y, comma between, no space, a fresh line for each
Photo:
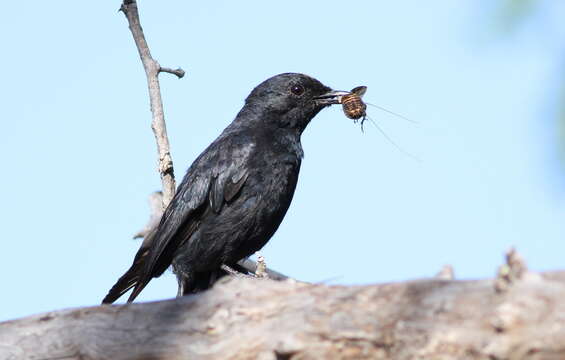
79,158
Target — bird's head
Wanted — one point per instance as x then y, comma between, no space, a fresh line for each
291,100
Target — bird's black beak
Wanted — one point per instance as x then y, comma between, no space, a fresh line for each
331,97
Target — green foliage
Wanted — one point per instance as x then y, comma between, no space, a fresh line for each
513,13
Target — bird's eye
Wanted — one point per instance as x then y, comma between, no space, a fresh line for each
297,89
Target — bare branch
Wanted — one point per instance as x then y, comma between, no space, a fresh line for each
152,70
244,318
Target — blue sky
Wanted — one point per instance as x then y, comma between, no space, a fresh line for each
79,157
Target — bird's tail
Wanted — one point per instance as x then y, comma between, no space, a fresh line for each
129,280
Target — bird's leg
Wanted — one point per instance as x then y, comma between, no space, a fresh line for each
183,284
180,290
184,281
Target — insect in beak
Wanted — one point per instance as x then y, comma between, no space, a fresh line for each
353,106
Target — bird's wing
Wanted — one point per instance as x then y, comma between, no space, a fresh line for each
215,178
155,253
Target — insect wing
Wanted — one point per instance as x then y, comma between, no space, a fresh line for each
359,90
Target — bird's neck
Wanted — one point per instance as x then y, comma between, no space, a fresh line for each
253,115
271,134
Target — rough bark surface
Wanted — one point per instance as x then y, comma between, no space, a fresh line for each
265,319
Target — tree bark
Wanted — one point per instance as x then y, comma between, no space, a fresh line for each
264,319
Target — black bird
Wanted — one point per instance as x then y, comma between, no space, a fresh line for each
236,193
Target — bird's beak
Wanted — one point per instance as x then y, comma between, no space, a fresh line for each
332,97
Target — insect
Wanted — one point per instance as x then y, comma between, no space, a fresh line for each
353,106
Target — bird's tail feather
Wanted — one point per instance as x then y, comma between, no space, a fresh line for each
131,279
126,282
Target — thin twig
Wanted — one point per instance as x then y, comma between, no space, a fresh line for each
152,70
178,72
